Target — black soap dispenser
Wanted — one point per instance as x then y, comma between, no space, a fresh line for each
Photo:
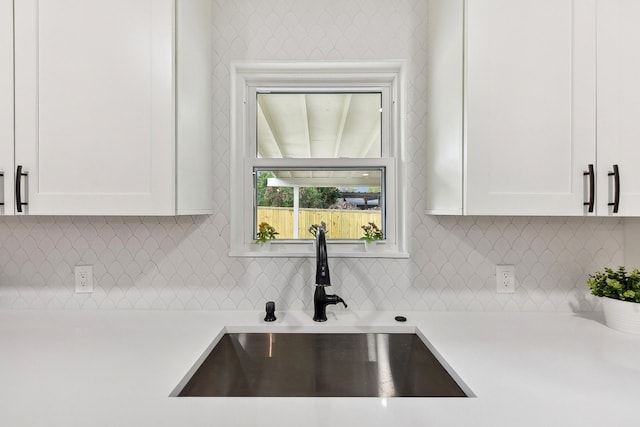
271,312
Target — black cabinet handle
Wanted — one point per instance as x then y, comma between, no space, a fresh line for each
616,188
2,175
19,175
592,188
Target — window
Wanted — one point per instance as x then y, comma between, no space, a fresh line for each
315,142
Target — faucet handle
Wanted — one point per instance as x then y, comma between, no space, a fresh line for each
335,299
271,311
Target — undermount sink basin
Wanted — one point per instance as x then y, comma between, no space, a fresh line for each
321,364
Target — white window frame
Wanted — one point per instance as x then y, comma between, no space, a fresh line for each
248,78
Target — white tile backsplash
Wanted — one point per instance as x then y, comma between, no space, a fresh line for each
182,263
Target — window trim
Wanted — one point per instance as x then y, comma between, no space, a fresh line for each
249,77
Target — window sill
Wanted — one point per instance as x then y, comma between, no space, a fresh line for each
306,249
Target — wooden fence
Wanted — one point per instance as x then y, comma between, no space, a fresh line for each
341,224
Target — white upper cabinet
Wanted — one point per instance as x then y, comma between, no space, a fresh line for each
6,107
511,106
113,107
530,106
618,106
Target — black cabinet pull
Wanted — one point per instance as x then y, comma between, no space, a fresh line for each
19,175
592,188
2,175
616,188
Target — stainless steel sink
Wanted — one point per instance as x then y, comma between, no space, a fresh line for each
321,364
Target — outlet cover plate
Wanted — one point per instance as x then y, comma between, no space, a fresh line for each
83,279
505,279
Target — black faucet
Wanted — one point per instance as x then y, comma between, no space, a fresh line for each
320,297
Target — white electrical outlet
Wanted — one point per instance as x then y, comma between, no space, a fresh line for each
84,279
505,279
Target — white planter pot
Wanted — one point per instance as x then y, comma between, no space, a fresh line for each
263,247
372,246
622,315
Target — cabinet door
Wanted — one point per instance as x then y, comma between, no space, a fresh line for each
94,106
619,105
530,106
6,107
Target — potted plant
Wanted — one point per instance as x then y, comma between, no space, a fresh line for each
620,292
265,233
371,233
315,227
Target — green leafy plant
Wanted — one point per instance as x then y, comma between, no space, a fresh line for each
616,284
371,232
265,232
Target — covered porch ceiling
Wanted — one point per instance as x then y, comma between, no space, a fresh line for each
319,125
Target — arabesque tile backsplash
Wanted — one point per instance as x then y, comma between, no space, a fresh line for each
182,263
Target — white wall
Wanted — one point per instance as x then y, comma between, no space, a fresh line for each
632,242
169,263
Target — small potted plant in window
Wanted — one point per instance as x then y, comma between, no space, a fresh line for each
371,233
265,233
314,232
315,227
620,292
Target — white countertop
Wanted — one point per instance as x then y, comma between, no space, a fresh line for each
118,368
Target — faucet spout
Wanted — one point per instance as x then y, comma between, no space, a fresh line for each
322,260
320,297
